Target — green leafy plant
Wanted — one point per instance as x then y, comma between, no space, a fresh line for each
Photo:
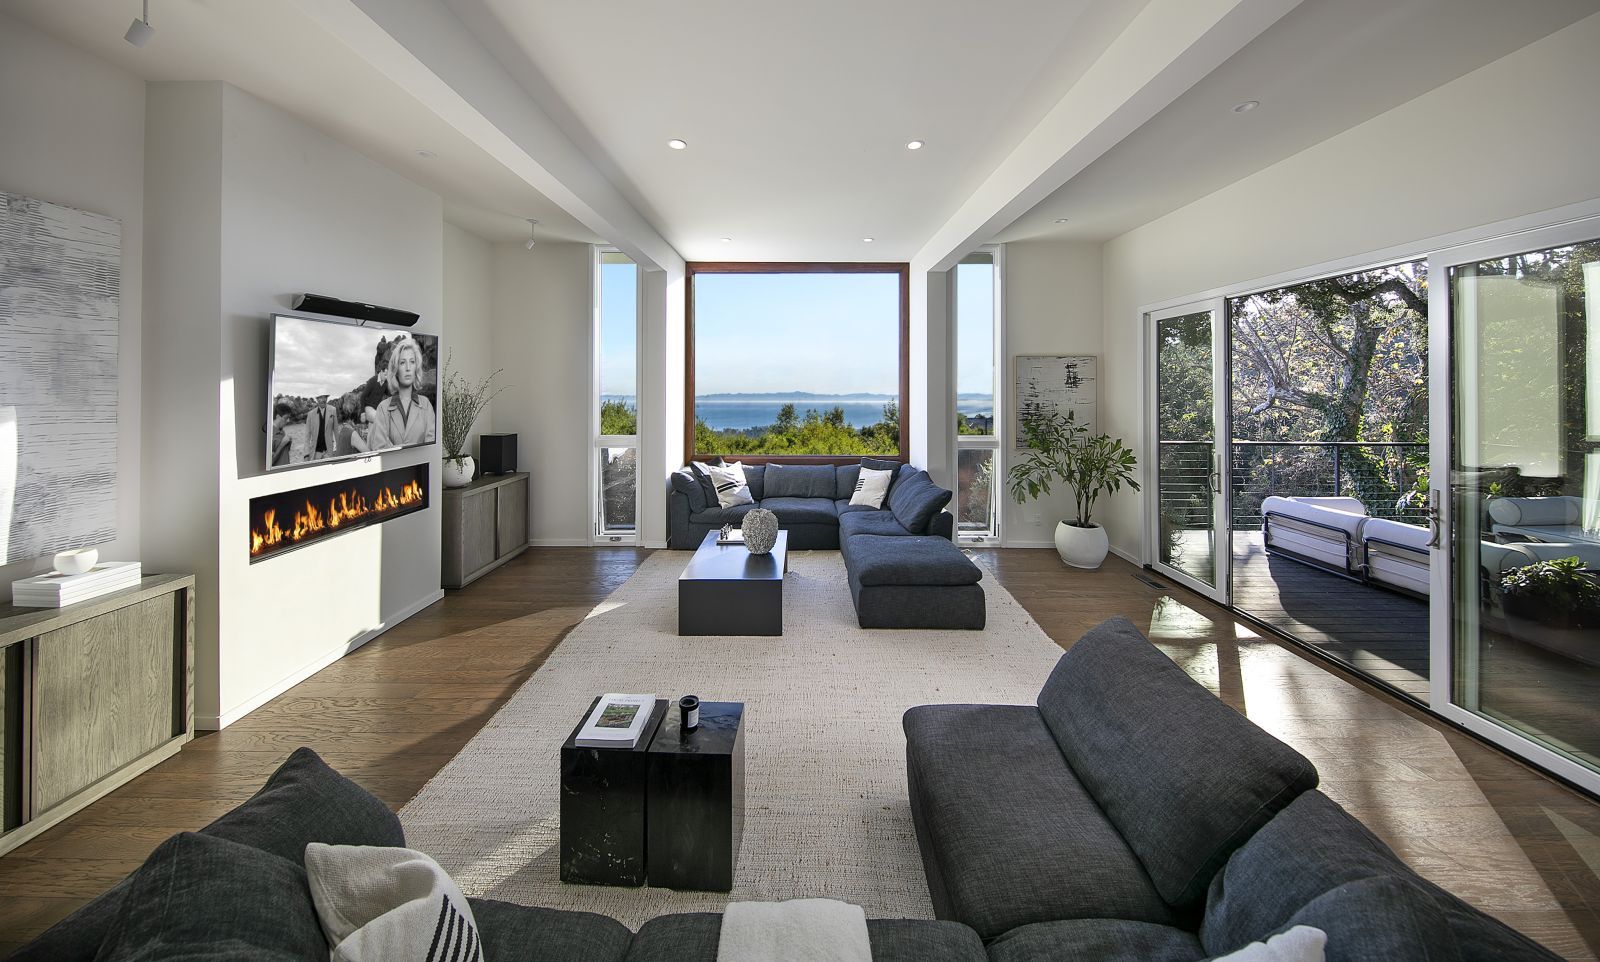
1559,589
463,402
616,417
1061,449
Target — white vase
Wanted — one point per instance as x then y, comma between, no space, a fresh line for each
458,471
1082,547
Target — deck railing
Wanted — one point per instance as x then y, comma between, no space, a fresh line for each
1378,473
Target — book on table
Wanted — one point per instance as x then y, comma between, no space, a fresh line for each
735,536
616,721
56,590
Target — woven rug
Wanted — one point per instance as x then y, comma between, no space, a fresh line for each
825,786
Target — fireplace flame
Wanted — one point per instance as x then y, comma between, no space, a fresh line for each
346,507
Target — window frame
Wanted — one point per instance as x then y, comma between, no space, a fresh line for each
598,532
694,268
982,442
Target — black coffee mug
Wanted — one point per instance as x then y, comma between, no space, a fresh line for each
689,712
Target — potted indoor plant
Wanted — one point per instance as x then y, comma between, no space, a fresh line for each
1554,604
463,402
1061,449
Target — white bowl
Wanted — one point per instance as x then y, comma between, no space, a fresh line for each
76,561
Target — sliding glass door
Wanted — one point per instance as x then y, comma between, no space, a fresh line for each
1189,508
1516,612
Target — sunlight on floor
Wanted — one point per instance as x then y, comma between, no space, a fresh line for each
1172,620
604,607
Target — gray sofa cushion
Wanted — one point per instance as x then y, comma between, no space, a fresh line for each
1008,835
707,486
720,516
201,897
800,481
1311,848
845,477
1380,918
909,560
915,499
693,937
845,507
1095,940
755,477
855,522
689,486
518,933
303,801
882,464
1185,778
791,511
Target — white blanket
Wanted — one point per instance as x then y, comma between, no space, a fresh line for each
802,930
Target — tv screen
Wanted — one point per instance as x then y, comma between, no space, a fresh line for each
340,391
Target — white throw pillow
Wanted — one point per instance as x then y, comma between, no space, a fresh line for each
1300,944
729,481
871,487
389,903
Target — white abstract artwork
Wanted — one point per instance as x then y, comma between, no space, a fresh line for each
60,276
1057,383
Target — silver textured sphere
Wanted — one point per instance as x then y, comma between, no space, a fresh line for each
760,531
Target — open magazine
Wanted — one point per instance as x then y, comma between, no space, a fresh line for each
617,721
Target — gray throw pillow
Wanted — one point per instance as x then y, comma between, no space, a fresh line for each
708,487
687,483
199,897
915,499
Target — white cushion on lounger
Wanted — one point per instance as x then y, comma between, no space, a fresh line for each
1339,503
1497,559
1405,535
1536,511
1347,517
1392,569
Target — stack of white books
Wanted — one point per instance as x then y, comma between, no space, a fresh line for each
56,590
617,721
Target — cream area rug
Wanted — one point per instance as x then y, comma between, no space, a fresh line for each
826,813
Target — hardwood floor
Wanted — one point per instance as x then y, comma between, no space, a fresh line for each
391,714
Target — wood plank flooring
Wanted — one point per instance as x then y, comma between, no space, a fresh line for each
391,714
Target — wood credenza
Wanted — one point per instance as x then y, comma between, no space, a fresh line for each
93,694
485,525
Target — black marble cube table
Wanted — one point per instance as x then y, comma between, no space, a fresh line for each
603,808
696,799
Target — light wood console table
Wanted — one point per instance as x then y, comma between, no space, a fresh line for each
92,695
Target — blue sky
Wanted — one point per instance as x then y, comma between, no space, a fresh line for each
821,333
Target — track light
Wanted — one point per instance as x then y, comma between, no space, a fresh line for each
531,239
140,31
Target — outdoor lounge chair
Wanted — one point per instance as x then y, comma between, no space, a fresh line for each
1395,554
1322,532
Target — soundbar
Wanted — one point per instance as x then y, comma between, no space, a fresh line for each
323,304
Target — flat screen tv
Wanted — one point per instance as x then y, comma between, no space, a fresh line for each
339,391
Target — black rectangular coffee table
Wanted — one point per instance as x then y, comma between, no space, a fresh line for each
696,799
726,590
603,807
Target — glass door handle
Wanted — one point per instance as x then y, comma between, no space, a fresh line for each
1435,519
1216,475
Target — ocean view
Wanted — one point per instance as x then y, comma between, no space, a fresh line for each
742,412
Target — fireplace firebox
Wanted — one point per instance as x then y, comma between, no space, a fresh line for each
293,519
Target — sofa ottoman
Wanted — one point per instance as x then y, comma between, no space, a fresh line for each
912,581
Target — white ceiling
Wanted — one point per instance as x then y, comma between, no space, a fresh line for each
1327,66
274,51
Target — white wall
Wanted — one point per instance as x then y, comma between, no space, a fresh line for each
1052,301
74,135
467,319
542,331
291,210
1512,138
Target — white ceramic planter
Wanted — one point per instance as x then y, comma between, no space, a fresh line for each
1081,547
458,472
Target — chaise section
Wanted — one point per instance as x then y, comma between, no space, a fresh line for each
1008,834
694,937
907,581
1096,940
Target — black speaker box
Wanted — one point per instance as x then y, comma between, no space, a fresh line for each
498,453
323,304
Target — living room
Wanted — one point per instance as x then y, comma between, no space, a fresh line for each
650,353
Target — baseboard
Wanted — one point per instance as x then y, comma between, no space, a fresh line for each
219,722
1009,543
1127,556
561,542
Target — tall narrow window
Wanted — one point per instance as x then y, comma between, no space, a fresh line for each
616,435
977,418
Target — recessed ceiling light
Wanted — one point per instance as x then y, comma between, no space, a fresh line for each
914,145
426,153
866,240
727,240
1246,107
1061,220
677,144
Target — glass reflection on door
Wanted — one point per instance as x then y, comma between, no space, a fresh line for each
1525,495
1187,482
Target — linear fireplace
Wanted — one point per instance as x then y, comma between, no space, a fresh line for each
293,519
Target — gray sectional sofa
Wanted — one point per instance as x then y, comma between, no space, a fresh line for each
904,568
1131,815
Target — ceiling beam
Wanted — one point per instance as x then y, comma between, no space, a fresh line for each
1167,48
422,47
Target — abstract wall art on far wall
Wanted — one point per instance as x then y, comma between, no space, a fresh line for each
60,280
1056,383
